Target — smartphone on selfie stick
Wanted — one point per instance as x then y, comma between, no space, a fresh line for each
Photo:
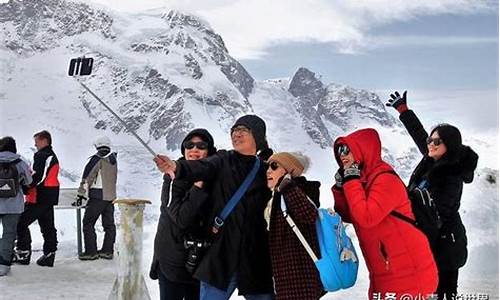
82,66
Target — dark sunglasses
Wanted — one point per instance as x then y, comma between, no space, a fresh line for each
343,150
273,165
200,145
434,141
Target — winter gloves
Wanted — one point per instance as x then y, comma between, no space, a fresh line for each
284,183
352,172
338,179
398,102
79,200
343,176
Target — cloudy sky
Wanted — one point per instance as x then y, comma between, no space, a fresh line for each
445,52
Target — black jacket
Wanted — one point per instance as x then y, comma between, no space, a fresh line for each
180,218
241,246
45,185
446,178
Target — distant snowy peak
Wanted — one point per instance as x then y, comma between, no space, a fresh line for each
333,109
31,26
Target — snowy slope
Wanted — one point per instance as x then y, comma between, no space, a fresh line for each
166,72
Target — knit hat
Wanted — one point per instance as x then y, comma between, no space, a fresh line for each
204,135
258,128
294,163
102,141
451,138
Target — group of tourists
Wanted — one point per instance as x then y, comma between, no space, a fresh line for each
222,225
201,255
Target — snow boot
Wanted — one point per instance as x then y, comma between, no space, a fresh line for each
105,255
46,260
88,256
22,257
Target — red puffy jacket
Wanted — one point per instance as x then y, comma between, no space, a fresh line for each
397,254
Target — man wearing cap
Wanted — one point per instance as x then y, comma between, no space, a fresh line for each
239,254
99,186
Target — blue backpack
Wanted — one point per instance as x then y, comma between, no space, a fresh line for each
338,264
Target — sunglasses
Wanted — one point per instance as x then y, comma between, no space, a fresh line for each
343,150
199,145
273,165
434,141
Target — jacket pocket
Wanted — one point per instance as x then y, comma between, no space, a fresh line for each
384,255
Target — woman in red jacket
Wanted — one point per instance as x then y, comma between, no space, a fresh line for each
366,191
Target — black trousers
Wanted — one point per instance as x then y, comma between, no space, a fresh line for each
105,209
170,290
448,284
44,213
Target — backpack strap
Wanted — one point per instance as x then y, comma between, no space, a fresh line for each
395,213
231,204
296,229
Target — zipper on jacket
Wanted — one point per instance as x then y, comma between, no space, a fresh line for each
384,255
452,237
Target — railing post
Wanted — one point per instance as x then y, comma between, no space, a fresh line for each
129,283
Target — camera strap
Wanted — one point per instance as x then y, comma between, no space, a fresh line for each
231,204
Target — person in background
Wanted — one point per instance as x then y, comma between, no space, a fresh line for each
367,190
99,186
42,196
445,166
15,176
181,225
295,274
239,253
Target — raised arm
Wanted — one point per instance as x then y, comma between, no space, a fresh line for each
410,121
190,170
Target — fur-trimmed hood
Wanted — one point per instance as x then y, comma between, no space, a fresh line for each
464,165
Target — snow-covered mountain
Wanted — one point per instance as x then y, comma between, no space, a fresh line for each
165,73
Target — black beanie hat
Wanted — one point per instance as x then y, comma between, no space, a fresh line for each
8,143
258,128
451,138
204,135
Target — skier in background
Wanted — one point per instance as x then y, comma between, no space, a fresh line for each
98,185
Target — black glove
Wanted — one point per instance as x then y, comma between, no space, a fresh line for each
284,183
353,172
398,102
338,179
79,200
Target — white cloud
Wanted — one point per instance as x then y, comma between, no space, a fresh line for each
249,27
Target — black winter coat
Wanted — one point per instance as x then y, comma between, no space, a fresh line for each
446,178
241,246
180,218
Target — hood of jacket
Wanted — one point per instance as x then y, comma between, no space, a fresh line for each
366,148
464,165
7,156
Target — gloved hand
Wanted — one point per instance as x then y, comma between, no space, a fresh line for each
352,172
338,179
79,200
398,102
284,183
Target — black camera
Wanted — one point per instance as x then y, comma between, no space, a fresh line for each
196,249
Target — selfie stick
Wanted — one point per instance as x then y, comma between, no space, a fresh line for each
120,119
